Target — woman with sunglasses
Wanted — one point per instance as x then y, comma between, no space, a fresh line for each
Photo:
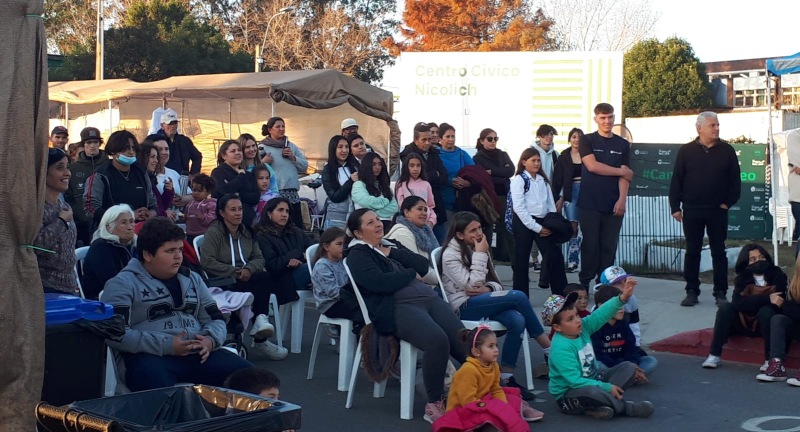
500,168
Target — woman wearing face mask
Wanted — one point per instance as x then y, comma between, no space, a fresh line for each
113,246
120,182
338,177
55,244
283,246
758,293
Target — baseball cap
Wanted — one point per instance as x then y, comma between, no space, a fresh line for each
169,117
612,275
90,133
554,304
59,130
348,122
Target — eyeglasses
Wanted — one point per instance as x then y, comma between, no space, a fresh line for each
492,139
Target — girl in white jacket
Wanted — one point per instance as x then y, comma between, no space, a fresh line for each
474,291
532,200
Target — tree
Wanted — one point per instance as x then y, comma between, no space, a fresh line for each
601,25
662,77
480,25
70,24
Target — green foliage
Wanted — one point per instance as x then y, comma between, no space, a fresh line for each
741,139
663,77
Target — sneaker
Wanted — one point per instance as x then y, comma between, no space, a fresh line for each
794,381
434,410
690,299
775,372
600,413
639,409
530,414
720,299
262,329
572,268
764,367
541,370
712,362
270,350
524,393
537,267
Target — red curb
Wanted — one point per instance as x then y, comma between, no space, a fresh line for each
739,348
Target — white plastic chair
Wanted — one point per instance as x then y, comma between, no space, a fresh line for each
347,340
408,365
436,255
80,255
274,310
298,312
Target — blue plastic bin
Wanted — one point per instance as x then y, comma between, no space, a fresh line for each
65,308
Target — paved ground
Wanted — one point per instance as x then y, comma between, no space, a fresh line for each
687,397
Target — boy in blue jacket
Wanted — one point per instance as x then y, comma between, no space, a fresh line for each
578,385
615,343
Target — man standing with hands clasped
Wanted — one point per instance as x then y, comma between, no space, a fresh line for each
706,182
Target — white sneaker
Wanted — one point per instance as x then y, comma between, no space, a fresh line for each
262,329
270,350
764,367
712,362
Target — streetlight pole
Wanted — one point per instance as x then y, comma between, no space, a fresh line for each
99,46
260,49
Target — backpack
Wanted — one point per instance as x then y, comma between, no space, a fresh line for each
509,204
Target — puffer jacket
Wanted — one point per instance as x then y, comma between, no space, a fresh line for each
457,277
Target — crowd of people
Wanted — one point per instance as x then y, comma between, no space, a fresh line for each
254,240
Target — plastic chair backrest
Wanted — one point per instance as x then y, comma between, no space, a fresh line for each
198,243
361,303
80,255
310,252
436,256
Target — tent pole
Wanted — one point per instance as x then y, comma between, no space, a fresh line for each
273,107
230,121
771,152
66,115
110,116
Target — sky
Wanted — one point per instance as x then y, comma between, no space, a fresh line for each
731,30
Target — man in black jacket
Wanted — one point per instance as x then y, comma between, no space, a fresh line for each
181,148
706,182
437,173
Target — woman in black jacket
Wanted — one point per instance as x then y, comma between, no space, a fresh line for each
566,189
400,304
231,178
283,245
338,177
500,168
113,246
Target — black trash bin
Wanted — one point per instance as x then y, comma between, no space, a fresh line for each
195,408
74,357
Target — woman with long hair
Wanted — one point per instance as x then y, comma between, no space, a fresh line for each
783,329
372,190
283,245
566,189
148,159
454,158
251,159
414,182
500,168
474,292
338,176
759,290
230,178
288,161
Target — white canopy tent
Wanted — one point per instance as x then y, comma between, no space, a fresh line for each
223,106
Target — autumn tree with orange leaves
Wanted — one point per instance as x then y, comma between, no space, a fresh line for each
473,25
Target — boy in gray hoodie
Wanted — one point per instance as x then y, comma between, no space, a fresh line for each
173,327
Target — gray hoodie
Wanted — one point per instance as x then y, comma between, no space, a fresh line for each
151,319
549,158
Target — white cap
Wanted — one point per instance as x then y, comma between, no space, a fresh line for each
348,122
169,117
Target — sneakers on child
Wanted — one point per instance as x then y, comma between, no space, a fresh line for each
794,381
434,410
572,267
764,367
775,372
600,413
639,409
712,362
524,393
529,414
270,350
690,299
262,329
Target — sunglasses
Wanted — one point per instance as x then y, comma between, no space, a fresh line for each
492,139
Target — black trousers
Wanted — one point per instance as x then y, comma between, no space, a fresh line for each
728,323
600,239
261,285
783,330
347,308
552,256
696,223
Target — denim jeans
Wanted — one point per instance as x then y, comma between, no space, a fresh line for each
513,310
148,371
301,277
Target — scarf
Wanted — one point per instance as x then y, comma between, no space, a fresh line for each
424,237
276,143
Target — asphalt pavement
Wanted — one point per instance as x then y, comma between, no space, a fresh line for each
686,396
